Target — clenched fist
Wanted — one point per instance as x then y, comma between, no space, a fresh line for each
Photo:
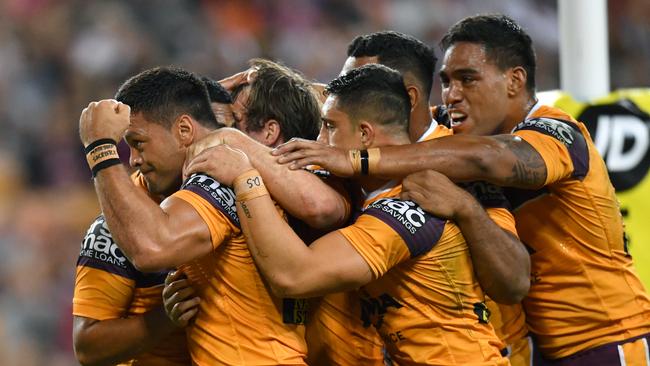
106,119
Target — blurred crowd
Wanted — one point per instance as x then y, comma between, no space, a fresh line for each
57,56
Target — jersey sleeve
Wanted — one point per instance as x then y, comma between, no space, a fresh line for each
391,231
215,203
105,279
560,143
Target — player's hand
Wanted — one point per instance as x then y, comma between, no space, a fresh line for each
299,153
227,136
107,118
221,162
437,195
243,77
181,304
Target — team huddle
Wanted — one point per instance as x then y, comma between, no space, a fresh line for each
271,220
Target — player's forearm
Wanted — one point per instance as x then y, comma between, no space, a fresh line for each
300,193
108,342
461,158
500,261
278,252
137,223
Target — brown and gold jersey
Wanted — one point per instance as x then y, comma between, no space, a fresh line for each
424,300
585,291
107,286
509,321
239,322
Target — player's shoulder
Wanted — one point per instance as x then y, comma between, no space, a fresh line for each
100,251
565,131
417,228
218,195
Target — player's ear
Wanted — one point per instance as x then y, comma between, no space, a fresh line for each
517,77
414,95
272,133
367,133
184,130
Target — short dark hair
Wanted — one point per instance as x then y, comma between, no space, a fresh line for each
374,93
162,94
216,91
280,93
398,51
504,41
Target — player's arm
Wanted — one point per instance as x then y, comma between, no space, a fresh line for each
505,160
292,269
128,337
500,260
103,291
153,237
300,193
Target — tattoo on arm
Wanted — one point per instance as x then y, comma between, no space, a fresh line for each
246,210
529,170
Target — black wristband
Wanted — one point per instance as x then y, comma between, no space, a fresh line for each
364,162
105,164
96,143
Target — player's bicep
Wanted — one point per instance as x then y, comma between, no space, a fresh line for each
336,265
523,166
81,324
190,232
560,145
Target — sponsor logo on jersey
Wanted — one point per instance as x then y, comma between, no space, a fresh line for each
407,213
419,230
482,312
558,129
373,309
294,311
220,196
98,244
566,133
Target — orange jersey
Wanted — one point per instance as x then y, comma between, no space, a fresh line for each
107,286
335,333
424,300
239,322
585,291
336,336
508,321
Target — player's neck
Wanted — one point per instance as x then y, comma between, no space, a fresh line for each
419,122
520,111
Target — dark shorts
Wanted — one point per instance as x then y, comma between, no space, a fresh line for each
633,351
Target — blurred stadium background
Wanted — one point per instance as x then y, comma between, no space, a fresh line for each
56,56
